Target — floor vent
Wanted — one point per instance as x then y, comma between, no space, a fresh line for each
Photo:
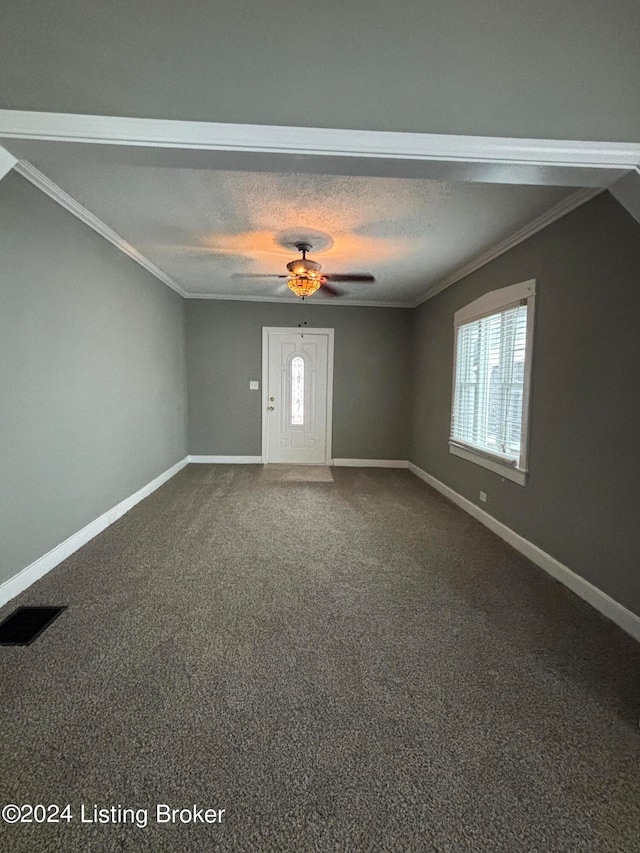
26,623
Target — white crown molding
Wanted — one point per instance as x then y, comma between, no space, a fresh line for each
117,130
493,159
552,215
29,575
55,192
609,607
36,177
285,300
7,162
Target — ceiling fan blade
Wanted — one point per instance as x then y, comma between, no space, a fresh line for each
331,290
356,276
257,275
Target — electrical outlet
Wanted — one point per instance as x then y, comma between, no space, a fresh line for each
253,385
483,497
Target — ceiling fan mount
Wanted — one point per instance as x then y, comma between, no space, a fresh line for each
289,239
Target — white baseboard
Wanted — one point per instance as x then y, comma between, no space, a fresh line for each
15,585
225,460
610,608
370,463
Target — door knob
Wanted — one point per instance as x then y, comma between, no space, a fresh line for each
270,408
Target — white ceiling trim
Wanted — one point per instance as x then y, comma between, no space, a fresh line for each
357,303
613,158
556,212
116,130
7,162
36,177
55,192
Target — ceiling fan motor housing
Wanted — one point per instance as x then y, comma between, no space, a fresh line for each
304,266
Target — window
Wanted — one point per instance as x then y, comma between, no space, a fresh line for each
297,391
491,378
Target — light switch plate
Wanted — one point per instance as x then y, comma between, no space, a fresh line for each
254,386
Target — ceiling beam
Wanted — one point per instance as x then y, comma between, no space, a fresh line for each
479,158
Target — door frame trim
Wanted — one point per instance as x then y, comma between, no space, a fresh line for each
287,330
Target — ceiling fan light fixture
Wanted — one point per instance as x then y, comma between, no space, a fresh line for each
305,277
305,273
304,285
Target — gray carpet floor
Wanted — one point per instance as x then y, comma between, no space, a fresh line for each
353,665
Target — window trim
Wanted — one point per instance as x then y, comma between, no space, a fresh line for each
492,303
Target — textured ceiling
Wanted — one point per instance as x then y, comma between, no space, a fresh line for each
201,226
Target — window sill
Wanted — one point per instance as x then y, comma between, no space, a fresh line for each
517,475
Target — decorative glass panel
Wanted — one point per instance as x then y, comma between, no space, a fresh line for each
297,391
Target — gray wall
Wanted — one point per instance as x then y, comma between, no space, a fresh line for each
94,372
581,503
92,385
371,375
546,69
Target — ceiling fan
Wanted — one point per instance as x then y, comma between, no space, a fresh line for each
304,276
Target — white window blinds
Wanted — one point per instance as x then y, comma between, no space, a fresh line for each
487,411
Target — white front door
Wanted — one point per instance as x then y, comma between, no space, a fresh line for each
297,385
